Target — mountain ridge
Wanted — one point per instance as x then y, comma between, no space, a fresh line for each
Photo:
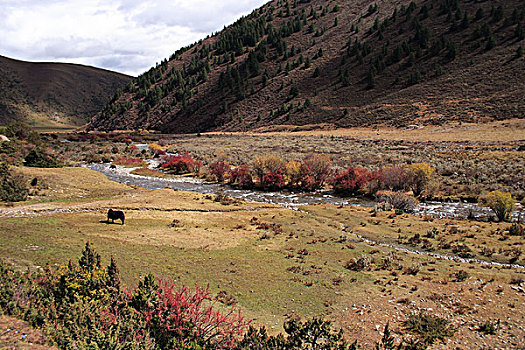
363,63
52,93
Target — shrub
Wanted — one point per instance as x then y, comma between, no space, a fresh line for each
461,276
13,188
273,180
398,200
154,147
22,131
242,177
394,178
501,204
315,170
351,181
428,328
311,334
268,168
293,173
413,270
181,164
359,264
517,229
489,327
419,175
184,319
220,169
39,159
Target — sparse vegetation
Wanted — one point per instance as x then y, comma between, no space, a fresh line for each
428,328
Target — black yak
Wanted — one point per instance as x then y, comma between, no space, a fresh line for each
115,214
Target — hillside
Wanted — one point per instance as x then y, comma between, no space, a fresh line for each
54,94
356,63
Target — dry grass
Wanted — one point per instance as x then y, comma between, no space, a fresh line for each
18,335
497,131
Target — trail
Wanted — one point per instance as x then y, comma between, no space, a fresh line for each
26,211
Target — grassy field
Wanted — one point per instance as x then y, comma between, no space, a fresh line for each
276,262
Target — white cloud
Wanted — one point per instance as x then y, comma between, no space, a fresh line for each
124,35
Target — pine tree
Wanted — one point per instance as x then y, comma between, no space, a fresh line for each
90,259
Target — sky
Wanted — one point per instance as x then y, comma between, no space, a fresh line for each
127,36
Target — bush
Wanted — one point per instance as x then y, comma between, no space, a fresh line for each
315,170
181,164
241,177
489,327
428,328
273,180
269,171
359,264
183,319
461,276
400,201
39,159
312,334
501,204
220,169
393,178
517,229
419,175
351,181
293,173
13,188
24,132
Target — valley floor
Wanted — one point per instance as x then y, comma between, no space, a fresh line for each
275,262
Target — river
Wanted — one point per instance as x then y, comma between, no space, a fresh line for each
287,199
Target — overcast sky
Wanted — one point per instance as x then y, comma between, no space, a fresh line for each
127,36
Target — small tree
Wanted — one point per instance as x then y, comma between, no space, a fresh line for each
419,175
501,203
315,170
269,169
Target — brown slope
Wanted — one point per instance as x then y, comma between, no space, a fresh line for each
424,86
50,94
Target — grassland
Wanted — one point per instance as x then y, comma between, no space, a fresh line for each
276,262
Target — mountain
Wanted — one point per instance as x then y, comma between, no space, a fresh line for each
54,94
345,63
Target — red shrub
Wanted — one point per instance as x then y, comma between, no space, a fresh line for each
242,177
315,170
351,181
393,178
273,180
219,169
181,319
181,164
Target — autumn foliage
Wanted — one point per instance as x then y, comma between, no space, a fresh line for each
351,181
180,164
